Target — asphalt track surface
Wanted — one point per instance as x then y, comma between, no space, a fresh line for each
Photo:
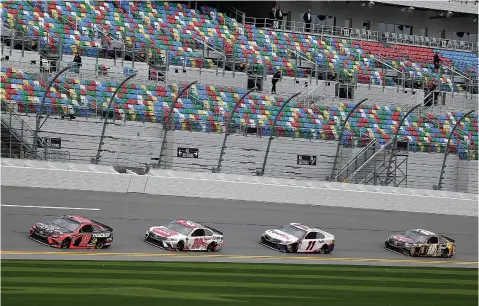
360,233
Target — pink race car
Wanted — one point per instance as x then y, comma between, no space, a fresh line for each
73,232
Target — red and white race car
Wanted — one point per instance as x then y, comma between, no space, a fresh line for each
185,235
298,238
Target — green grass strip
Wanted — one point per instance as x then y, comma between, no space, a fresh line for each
106,283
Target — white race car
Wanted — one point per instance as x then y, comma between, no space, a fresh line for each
298,238
185,235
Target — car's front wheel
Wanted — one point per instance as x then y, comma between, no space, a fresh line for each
294,248
211,247
66,243
180,246
323,250
100,244
406,252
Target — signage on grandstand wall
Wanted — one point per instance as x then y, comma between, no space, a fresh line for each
57,155
53,143
306,160
187,152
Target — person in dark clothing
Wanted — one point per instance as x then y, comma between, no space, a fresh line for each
279,16
437,60
276,78
272,16
77,61
307,20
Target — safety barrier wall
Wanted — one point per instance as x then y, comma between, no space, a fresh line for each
29,173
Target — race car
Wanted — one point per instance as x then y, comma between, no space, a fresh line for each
73,232
298,238
185,235
420,242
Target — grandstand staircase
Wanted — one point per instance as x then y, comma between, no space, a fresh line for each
377,165
17,137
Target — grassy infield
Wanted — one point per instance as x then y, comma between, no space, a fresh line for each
89,283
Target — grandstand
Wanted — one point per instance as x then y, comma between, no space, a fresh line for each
168,45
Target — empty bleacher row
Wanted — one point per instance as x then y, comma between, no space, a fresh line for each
161,26
205,108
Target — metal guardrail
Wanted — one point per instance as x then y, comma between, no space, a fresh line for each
362,34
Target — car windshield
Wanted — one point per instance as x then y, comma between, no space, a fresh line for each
415,236
292,230
179,228
67,224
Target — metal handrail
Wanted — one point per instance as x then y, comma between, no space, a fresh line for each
381,149
356,157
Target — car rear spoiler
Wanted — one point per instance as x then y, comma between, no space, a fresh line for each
103,225
213,229
450,239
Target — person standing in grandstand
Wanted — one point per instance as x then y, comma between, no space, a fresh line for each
307,20
77,61
276,78
437,60
272,15
105,43
279,16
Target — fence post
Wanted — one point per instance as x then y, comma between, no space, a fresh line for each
340,137
227,132
42,105
96,160
261,172
395,138
168,122
446,152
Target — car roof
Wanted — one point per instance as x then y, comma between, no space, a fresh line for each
188,223
310,229
423,232
79,219
305,227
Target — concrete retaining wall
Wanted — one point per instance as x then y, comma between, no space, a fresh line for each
27,173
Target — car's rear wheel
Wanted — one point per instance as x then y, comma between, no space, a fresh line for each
211,247
445,253
66,243
180,246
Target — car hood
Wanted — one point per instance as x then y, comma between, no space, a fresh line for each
281,236
401,238
48,228
165,232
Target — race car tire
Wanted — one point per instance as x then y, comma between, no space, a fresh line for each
323,250
100,244
445,253
263,240
180,246
406,253
66,243
294,248
211,247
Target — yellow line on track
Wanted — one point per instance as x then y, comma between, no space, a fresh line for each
305,258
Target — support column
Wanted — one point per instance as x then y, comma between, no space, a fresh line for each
227,132
273,132
96,159
343,126
168,122
446,151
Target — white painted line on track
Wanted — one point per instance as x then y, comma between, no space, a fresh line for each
50,207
